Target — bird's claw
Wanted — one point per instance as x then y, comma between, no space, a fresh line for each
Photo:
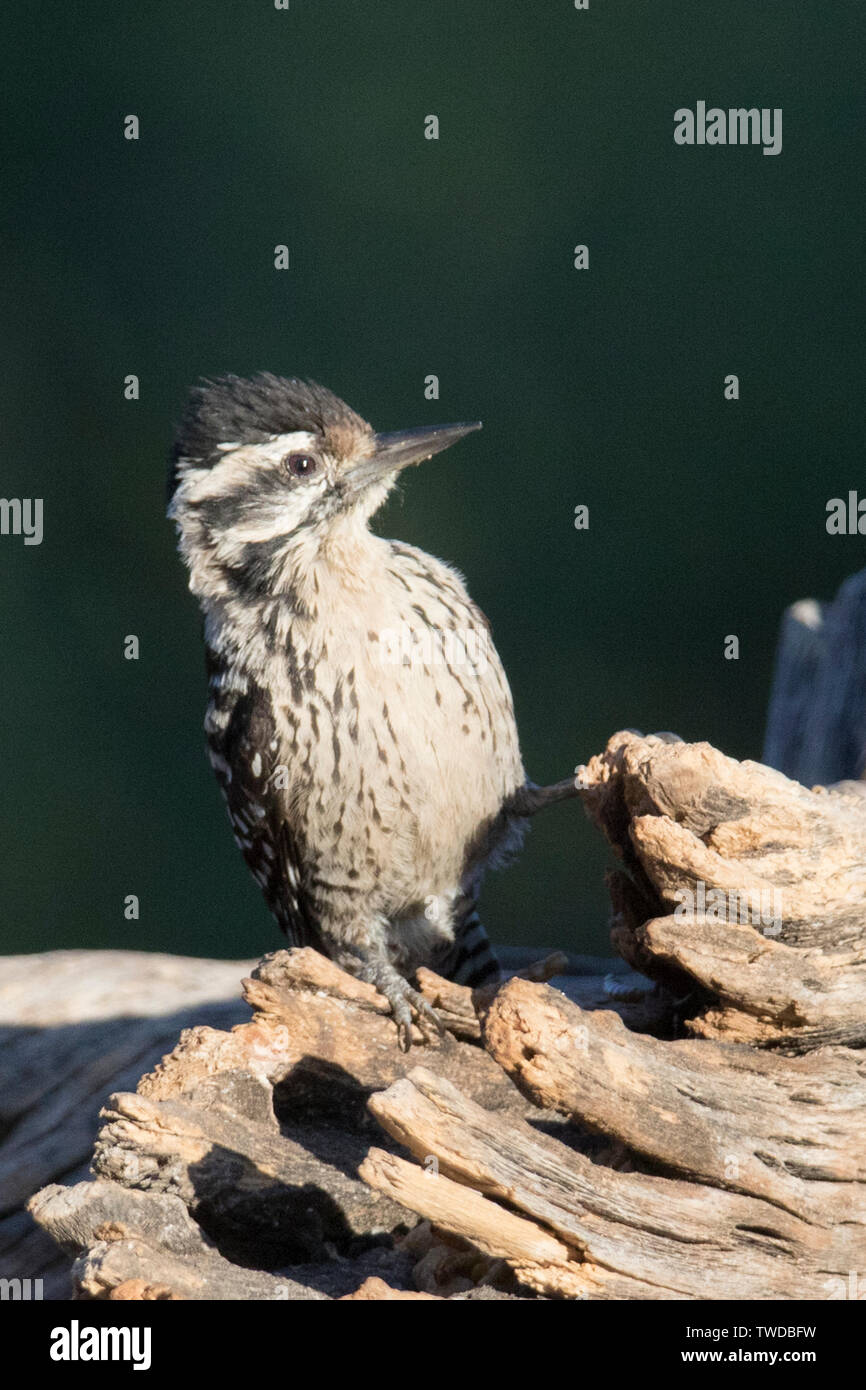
409,1002
408,1006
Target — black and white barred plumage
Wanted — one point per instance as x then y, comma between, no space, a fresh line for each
359,719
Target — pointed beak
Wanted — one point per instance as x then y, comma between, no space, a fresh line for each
401,448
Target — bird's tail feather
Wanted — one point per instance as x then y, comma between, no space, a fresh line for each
472,960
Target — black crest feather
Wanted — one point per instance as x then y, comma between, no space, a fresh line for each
249,410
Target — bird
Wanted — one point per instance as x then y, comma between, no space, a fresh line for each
359,720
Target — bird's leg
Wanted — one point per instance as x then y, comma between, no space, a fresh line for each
529,798
368,963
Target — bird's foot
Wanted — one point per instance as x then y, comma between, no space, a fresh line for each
407,1005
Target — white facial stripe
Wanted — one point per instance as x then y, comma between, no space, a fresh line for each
240,462
272,450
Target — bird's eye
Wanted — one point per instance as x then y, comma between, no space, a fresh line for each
300,465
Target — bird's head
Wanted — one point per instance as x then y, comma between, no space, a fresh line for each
264,471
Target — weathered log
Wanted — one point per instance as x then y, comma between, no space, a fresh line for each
786,1129
261,1191
74,1026
754,1171
539,1260
741,882
142,1245
377,1290
78,1216
591,1231
260,1132
323,1040
141,1270
206,1085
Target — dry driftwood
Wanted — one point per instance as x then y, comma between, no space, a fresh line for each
145,1246
77,1026
257,1135
74,1026
584,1230
741,883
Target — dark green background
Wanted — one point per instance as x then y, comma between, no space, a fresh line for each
306,127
